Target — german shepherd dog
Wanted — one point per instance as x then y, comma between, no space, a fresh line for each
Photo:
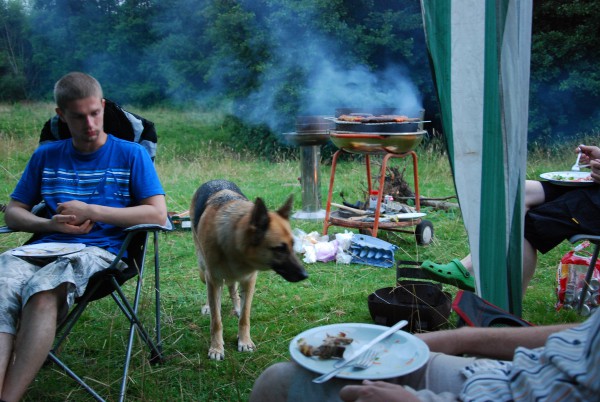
235,238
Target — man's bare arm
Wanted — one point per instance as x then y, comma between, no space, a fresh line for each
151,210
77,217
18,216
494,342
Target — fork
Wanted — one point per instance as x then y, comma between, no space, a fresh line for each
575,167
361,362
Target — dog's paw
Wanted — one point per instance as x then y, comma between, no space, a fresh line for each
246,346
216,354
205,309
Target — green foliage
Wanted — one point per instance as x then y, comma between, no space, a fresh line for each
258,140
282,58
14,51
565,81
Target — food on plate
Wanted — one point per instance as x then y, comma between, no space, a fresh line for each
333,347
566,177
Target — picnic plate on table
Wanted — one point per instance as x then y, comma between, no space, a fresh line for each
568,178
399,354
47,249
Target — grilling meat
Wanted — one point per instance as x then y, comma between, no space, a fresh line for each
376,119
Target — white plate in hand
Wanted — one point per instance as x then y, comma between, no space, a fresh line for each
399,354
568,178
47,249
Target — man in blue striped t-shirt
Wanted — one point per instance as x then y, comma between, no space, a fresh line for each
93,185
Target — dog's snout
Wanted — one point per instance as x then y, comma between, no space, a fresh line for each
300,276
290,271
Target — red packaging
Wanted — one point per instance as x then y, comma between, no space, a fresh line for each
570,277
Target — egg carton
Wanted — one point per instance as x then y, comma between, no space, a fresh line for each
370,250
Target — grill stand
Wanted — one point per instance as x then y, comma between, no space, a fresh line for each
310,181
372,227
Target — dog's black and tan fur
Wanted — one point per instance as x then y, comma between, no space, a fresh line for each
235,238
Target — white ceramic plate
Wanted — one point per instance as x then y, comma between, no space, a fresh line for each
47,249
399,354
568,178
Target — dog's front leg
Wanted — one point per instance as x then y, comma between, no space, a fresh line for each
235,298
245,343
217,349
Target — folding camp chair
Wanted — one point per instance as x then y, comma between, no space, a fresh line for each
590,272
110,281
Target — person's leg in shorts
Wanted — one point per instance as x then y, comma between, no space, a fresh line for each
287,382
566,211
32,301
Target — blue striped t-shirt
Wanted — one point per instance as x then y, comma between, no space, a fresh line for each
119,175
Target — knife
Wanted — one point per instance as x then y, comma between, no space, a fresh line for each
371,343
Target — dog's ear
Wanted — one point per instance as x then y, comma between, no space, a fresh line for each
286,210
259,221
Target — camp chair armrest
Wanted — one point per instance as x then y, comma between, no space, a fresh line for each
167,227
149,227
592,238
131,231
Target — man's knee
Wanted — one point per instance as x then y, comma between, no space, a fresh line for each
273,384
48,299
534,194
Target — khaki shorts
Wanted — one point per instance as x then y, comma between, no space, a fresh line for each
21,278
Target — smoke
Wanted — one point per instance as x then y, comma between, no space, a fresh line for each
312,74
333,86
328,86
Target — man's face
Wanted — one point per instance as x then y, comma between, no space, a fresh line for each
85,118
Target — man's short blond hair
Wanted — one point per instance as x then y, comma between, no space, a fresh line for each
75,86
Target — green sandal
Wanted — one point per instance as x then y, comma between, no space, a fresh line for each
453,273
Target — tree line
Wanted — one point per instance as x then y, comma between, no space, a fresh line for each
269,60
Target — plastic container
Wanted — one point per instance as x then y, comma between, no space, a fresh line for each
373,196
370,250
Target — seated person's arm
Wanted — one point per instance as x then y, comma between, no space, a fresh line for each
495,342
18,216
151,210
77,217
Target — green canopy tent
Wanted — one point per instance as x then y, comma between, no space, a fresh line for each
480,55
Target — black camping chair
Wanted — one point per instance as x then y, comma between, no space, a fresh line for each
110,281
590,272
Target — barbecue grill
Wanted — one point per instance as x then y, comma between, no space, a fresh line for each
375,139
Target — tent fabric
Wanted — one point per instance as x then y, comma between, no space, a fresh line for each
480,56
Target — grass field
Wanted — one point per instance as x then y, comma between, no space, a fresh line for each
193,148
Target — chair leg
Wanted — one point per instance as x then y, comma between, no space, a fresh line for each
156,358
70,373
131,313
588,277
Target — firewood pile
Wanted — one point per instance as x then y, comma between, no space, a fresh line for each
396,186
